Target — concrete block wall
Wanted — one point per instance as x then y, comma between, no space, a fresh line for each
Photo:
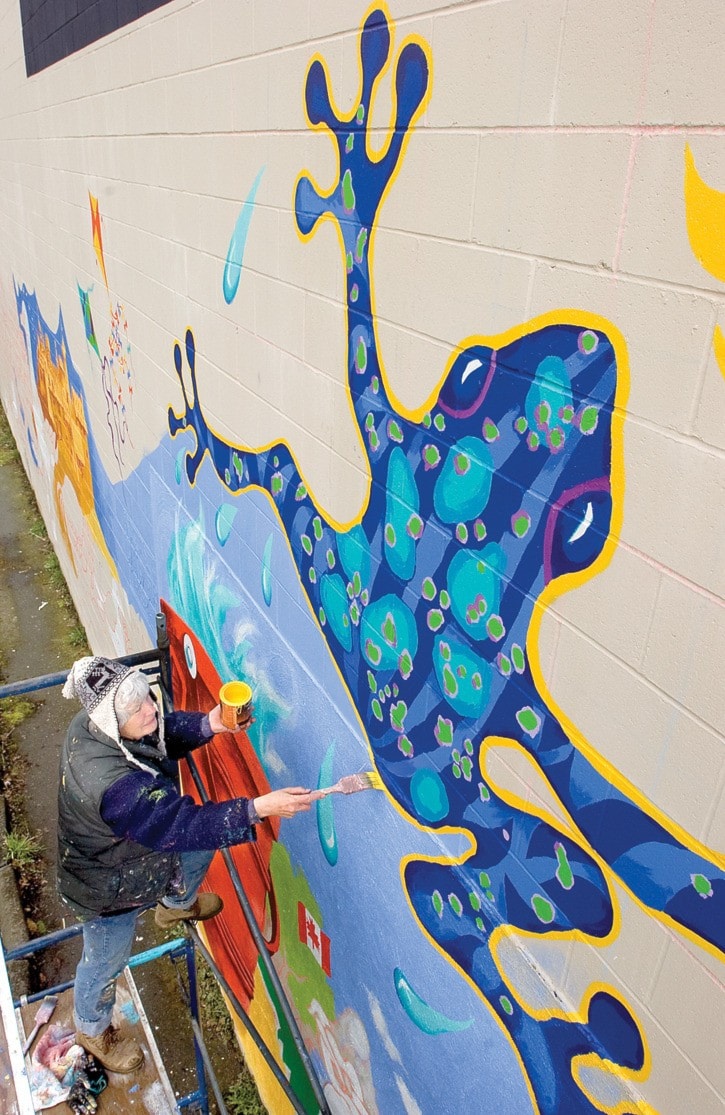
543,181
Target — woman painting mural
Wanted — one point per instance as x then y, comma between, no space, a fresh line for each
128,839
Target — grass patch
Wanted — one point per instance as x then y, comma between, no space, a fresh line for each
243,1097
8,448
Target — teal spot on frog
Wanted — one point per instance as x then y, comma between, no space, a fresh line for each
429,795
388,626
464,483
474,586
467,692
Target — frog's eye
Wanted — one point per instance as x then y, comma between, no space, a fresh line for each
577,529
467,381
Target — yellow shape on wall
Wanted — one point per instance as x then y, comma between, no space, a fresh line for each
718,343
705,214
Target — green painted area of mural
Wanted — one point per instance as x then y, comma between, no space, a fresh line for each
518,658
361,356
360,243
529,721
267,571
334,601
317,527
348,192
564,873
395,432
464,678
431,456
388,629
223,521
495,628
455,904
464,484
428,589
521,524
491,431
483,792
439,423
427,1019
484,880
308,983
398,713
474,585
443,731
306,544
429,795
506,1004
702,885
588,420
326,809
543,909
437,900
462,533
435,619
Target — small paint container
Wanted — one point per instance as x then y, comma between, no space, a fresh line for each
235,698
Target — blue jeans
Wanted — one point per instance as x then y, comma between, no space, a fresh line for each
107,944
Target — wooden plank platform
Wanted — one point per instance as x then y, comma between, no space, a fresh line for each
144,1092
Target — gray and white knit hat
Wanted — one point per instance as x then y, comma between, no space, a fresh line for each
95,681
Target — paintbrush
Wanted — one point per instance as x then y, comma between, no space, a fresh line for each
45,1010
353,783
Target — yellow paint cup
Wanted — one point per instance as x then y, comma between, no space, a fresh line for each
235,699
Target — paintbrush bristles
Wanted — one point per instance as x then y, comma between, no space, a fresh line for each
353,783
365,780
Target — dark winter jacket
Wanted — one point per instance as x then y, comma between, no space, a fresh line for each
122,821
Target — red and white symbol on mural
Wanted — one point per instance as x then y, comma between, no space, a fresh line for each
311,935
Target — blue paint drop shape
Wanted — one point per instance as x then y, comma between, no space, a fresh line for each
180,465
237,244
427,1019
224,518
267,571
325,811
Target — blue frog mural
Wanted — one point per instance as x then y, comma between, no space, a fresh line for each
429,604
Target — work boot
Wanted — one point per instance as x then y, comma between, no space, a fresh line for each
206,906
116,1053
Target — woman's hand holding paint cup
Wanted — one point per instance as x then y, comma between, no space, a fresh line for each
235,707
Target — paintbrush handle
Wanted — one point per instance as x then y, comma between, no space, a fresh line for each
31,1038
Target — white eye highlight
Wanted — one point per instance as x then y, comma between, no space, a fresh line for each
584,524
190,656
471,367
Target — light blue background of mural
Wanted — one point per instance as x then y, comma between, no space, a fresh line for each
364,910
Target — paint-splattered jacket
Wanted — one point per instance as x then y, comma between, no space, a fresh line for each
122,821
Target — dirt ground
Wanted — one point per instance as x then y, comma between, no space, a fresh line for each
34,640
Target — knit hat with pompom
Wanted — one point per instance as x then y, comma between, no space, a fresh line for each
94,681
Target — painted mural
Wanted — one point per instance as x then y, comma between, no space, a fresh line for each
405,641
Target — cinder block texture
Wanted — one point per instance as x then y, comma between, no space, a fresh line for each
540,193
